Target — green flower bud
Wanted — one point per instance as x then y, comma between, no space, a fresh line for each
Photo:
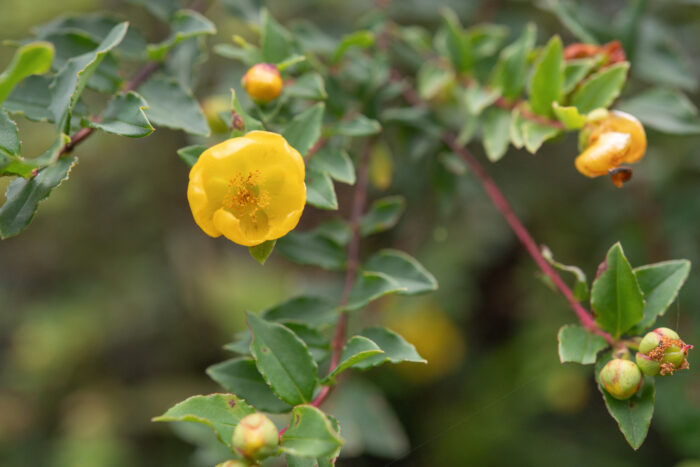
674,355
653,339
621,378
648,366
256,437
662,347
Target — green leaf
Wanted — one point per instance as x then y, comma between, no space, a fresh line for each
161,9
31,98
432,79
575,70
578,345
511,69
569,20
665,110
395,347
358,126
581,292
535,134
516,128
457,46
382,215
172,106
378,431
31,59
305,129
310,434
23,196
190,154
263,251
569,116
70,81
319,345
276,40
356,349
412,278
314,311
241,377
616,298
124,116
370,286
660,283
307,86
633,416
220,412
95,26
283,360
335,162
184,24
336,230
601,89
548,78
477,97
320,191
249,123
496,133
312,248
11,162
359,39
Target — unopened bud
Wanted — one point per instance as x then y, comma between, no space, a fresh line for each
621,378
256,437
661,351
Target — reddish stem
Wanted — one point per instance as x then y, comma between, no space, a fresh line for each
518,228
141,76
523,235
353,263
314,149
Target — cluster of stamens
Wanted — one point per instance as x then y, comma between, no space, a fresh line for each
244,196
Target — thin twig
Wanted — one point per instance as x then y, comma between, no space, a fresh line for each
523,235
503,206
314,149
353,263
81,135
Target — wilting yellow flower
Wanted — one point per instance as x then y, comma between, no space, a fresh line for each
250,189
616,139
263,82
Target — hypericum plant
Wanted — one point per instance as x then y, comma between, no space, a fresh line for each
321,113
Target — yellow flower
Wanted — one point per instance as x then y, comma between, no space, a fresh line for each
616,139
250,189
263,82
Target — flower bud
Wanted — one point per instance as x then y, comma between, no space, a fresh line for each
653,339
648,366
256,437
621,378
263,82
608,140
661,351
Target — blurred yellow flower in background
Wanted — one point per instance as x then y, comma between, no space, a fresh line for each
250,189
436,337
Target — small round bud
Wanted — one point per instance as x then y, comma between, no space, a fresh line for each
621,378
256,437
662,347
212,106
648,366
653,339
263,82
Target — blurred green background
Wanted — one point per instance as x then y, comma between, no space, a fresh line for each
113,302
